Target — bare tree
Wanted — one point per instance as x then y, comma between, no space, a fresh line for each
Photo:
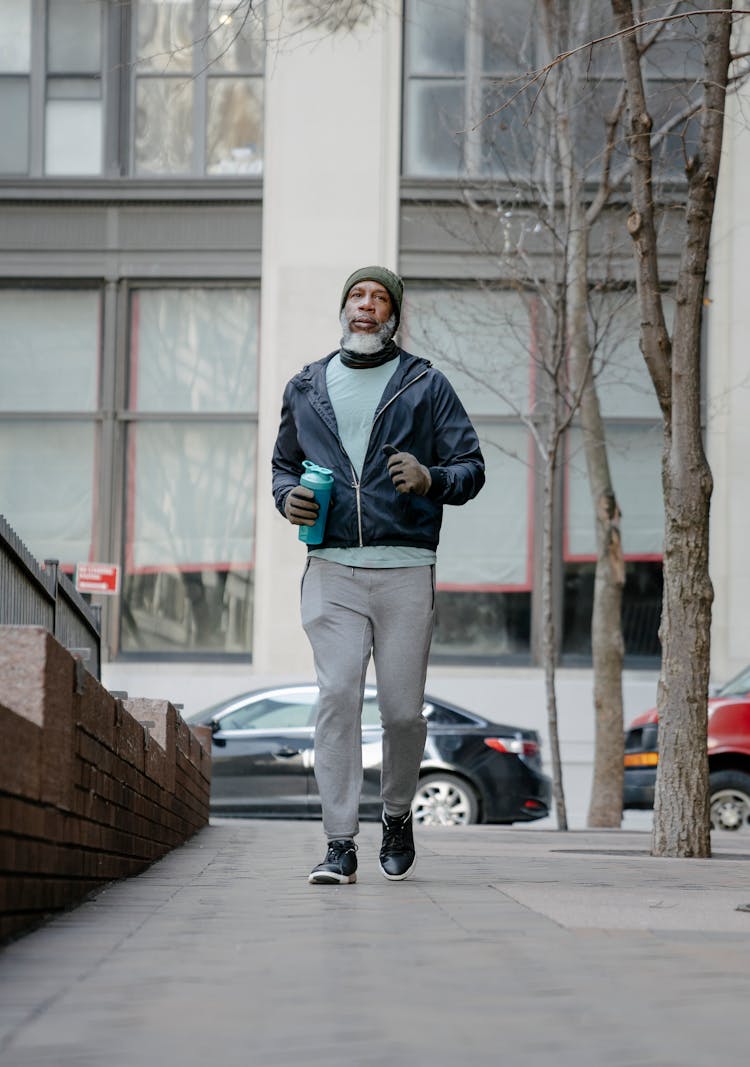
563,26
548,205
681,820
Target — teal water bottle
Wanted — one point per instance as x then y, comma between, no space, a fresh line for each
320,480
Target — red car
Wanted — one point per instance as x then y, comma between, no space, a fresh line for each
728,756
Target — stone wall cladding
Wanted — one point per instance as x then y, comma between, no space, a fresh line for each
91,788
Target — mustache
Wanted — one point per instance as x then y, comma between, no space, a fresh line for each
366,343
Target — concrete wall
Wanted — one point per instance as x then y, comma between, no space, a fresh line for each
727,318
91,788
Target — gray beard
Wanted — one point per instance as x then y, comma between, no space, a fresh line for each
366,344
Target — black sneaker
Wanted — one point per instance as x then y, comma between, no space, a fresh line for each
339,866
397,856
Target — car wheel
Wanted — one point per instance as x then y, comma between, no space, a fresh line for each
444,800
730,800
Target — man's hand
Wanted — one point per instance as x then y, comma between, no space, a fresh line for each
301,507
408,474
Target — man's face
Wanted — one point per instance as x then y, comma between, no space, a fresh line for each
368,306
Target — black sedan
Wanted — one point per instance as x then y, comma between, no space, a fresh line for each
473,770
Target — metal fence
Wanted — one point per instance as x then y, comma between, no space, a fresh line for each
32,594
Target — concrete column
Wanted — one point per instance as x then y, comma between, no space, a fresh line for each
330,204
728,391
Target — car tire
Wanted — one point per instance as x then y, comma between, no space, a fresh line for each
730,800
444,800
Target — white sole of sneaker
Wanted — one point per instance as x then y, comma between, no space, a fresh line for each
323,878
399,877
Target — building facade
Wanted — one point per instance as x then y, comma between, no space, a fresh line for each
184,188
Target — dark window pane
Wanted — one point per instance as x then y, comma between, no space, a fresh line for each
45,330
189,546
234,38
482,625
47,486
74,37
15,38
164,126
165,35
509,140
234,133
667,99
508,41
641,608
170,610
434,121
14,122
194,349
440,716
435,36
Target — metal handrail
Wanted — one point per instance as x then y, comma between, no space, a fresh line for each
35,594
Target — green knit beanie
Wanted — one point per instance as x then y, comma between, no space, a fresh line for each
384,277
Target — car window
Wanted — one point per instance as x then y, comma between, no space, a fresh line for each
736,686
370,711
273,713
440,716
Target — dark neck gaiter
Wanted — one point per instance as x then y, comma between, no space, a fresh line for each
375,359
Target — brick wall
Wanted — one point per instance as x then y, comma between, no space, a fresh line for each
91,788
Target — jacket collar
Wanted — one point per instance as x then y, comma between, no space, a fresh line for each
311,381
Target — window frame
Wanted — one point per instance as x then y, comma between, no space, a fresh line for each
118,77
200,76
127,417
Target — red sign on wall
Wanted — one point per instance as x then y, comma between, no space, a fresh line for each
98,578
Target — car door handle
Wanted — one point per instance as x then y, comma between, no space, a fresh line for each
286,753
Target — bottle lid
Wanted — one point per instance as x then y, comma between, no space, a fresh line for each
313,468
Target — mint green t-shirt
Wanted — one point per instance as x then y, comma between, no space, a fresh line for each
355,394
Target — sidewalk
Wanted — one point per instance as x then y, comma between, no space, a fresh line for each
508,946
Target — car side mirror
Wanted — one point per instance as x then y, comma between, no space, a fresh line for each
215,729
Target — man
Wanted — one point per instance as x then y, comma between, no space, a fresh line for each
400,446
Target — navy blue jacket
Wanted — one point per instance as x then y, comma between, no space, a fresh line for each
420,413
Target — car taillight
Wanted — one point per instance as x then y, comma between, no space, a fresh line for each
513,745
641,759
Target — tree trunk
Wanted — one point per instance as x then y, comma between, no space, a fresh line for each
607,646
681,826
681,808
549,643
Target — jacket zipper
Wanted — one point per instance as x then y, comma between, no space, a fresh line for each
355,481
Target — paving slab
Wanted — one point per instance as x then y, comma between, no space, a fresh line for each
509,945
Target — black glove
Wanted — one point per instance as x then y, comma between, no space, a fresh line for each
407,473
301,507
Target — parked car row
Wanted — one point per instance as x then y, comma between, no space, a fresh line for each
473,770
728,756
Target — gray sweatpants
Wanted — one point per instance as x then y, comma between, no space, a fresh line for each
350,614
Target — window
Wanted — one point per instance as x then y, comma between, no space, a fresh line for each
147,88
484,340
481,340
198,89
192,413
458,54
469,114
49,427
634,445
293,710
52,115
